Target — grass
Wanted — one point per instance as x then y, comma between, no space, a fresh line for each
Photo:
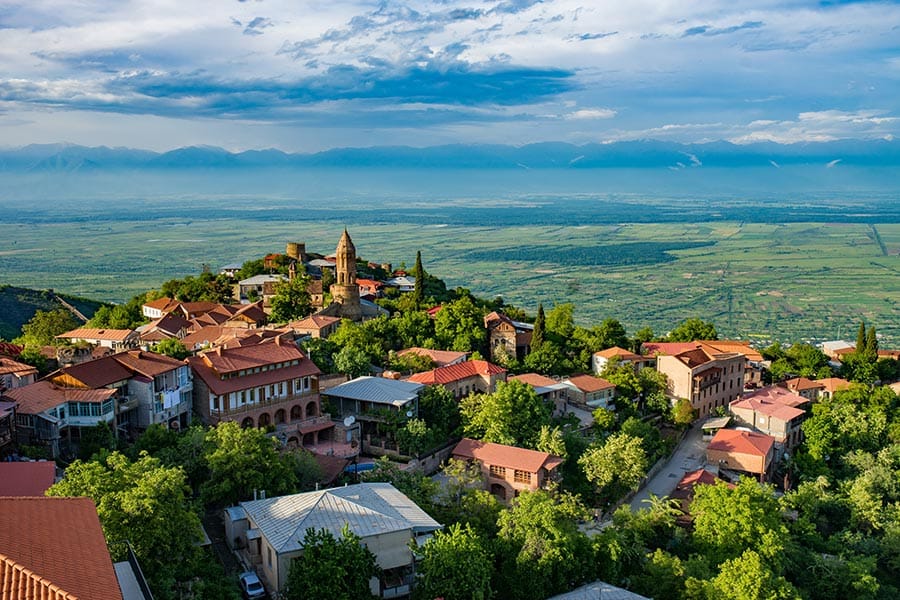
787,281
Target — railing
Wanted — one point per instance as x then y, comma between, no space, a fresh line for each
273,401
295,426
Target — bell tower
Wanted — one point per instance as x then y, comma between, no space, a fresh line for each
345,291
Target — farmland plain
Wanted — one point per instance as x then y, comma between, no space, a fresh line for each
768,265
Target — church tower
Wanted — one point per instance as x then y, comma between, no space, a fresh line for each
345,291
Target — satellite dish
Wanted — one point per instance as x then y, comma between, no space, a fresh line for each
409,414
349,421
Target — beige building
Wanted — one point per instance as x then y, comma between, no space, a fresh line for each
509,470
773,411
590,391
744,452
709,379
464,378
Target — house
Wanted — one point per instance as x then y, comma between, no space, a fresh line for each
703,375
231,270
837,349
270,532
14,374
404,283
268,383
508,470
155,309
744,452
367,399
28,478
171,325
685,488
440,358
370,287
773,411
830,385
464,378
54,549
150,388
754,366
553,392
258,287
807,388
598,590
591,391
506,337
624,357
116,339
52,416
316,326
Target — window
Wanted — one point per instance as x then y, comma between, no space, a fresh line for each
269,555
521,476
216,403
498,472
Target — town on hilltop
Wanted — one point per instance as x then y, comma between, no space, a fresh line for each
306,426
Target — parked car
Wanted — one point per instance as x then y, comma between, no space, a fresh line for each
251,587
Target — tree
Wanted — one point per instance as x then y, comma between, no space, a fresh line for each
616,466
455,565
560,322
747,577
628,386
31,355
611,333
419,285
415,437
352,362
861,338
693,329
334,568
512,415
872,345
244,460
549,358
44,326
142,502
414,328
96,439
683,413
440,410
459,326
552,441
291,300
537,334
172,347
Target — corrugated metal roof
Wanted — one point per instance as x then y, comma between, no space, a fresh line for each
366,508
377,389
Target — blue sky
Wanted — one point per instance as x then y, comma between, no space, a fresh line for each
305,76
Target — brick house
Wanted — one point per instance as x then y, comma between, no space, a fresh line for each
553,392
508,470
462,379
624,357
508,337
805,387
745,452
116,339
590,391
773,411
706,377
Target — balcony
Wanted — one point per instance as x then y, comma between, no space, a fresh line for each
274,401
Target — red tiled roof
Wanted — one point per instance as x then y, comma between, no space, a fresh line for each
26,478
54,549
589,383
670,348
502,455
700,476
85,333
150,364
727,346
162,304
97,373
44,395
534,380
170,323
8,365
13,350
616,352
741,442
441,358
773,401
313,322
694,358
802,383
833,384
457,372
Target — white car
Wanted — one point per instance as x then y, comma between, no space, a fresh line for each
251,587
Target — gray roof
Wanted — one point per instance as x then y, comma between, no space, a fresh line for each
599,590
716,422
367,508
261,279
377,389
321,262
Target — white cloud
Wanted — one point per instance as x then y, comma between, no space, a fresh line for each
591,113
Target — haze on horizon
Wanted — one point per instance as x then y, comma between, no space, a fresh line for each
306,76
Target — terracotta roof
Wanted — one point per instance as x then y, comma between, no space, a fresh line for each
44,395
85,333
457,372
54,549
589,383
26,478
502,455
616,352
741,442
170,323
535,380
694,358
149,364
268,352
313,322
97,373
739,347
12,350
700,476
833,384
773,401
802,383
8,365
670,348
163,304
441,358
895,354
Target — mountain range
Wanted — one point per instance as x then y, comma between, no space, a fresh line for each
547,155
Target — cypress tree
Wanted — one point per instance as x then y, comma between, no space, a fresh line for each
537,335
861,338
871,345
419,287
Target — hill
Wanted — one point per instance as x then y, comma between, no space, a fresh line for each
18,305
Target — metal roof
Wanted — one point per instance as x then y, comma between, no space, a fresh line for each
368,509
377,389
597,590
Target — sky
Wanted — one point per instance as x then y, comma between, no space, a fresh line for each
304,76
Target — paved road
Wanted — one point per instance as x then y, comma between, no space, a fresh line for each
690,455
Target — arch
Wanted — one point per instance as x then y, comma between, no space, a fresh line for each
293,442
498,490
309,439
296,412
264,420
312,409
279,416
247,422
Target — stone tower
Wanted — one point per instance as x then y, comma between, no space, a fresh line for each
345,291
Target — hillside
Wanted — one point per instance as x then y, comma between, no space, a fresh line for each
18,305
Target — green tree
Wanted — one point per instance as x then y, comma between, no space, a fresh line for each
31,355
334,568
44,326
552,441
459,326
418,294
561,322
456,565
142,502
641,336
549,359
352,362
683,413
95,439
415,437
440,410
622,375
291,300
748,577
616,466
871,344
172,347
409,362
414,328
241,461
611,333
693,329
537,334
512,415
861,338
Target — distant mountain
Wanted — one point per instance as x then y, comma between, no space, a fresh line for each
546,155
